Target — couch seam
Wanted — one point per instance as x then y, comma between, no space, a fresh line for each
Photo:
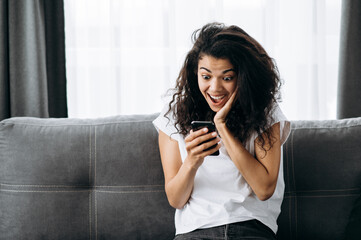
90,154
44,186
293,164
42,191
287,167
294,183
80,124
219,238
150,191
296,217
289,216
327,196
323,190
77,186
288,182
90,215
80,186
95,181
95,156
65,191
129,186
316,127
96,215
323,196
90,181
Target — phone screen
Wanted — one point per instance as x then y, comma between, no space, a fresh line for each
196,125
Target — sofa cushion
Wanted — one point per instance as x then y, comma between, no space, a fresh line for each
353,228
322,168
102,179
82,179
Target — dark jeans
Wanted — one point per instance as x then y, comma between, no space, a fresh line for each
252,229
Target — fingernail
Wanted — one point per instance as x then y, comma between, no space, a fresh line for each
214,134
205,129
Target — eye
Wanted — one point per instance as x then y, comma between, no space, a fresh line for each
206,77
227,78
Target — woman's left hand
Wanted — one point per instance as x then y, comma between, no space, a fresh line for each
221,115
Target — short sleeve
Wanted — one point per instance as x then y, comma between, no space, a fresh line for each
285,125
166,125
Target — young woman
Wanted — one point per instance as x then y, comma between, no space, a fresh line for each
229,79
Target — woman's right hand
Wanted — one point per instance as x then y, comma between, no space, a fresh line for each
195,146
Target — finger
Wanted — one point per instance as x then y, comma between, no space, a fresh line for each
211,143
194,135
210,151
196,146
200,139
200,149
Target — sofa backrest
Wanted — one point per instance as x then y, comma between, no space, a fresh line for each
102,179
82,179
322,167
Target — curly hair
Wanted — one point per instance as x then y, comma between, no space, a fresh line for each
257,77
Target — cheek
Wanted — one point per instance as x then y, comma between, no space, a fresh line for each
232,87
202,86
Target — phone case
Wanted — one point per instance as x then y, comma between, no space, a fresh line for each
196,125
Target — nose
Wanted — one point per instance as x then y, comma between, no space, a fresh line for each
215,85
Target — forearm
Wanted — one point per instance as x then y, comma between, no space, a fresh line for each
254,172
180,187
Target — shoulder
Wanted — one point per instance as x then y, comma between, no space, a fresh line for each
166,122
277,116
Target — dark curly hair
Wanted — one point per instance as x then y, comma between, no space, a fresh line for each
258,83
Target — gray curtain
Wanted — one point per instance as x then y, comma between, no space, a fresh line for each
349,87
32,59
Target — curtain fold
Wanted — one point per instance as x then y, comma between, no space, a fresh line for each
4,62
32,51
349,86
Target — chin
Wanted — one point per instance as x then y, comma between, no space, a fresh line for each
215,109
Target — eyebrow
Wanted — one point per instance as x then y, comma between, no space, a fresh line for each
225,71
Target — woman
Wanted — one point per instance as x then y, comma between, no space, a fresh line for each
229,79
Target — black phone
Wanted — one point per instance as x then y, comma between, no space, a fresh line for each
196,125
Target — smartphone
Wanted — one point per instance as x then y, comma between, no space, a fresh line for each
196,125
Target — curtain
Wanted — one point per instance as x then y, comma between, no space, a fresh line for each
32,52
123,55
349,92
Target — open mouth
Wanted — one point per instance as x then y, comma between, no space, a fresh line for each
216,99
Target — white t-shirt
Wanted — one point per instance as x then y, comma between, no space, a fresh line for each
220,194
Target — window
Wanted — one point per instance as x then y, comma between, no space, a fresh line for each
122,55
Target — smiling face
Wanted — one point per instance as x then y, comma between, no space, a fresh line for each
216,80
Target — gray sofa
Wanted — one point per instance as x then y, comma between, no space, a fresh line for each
102,179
